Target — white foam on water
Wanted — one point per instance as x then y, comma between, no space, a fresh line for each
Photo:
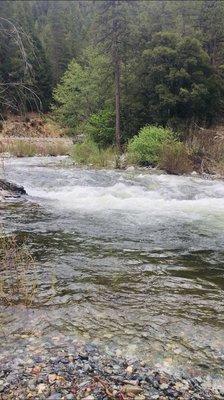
104,191
130,197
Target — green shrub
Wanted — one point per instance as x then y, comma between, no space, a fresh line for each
88,153
106,158
82,152
100,128
175,158
145,148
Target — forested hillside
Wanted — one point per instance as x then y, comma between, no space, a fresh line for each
114,66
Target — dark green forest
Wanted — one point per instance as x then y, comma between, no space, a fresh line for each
114,64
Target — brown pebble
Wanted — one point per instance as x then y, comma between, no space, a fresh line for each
131,389
36,369
52,378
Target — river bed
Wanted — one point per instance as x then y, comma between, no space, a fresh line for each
126,259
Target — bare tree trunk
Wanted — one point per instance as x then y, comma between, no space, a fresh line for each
117,102
117,73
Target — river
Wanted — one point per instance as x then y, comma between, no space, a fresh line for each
136,260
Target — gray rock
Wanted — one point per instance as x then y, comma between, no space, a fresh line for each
11,189
132,389
164,386
130,169
55,396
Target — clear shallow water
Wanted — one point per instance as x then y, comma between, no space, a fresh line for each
136,260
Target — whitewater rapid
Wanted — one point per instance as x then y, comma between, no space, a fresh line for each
127,197
152,195
137,197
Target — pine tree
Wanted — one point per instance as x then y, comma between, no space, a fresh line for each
211,23
112,30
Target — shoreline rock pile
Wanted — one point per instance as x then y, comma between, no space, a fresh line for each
88,374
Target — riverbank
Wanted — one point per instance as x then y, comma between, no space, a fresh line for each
30,147
24,147
39,135
32,135
85,372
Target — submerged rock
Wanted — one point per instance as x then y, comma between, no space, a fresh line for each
9,189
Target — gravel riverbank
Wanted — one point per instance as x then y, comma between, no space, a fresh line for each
84,372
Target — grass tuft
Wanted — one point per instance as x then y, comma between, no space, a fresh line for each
175,158
18,280
34,147
88,153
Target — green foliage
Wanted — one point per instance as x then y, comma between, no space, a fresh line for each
25,74
41,77
100,127
62,27
145,148
177,74
171,56
81,91
159,146
83,152
88,153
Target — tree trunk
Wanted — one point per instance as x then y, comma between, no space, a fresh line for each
117,102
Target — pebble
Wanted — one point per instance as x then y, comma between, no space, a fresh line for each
129,369
86,373
41,388
55,396
131,389
36,369
164,386
52,378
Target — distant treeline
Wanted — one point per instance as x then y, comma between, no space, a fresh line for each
143,62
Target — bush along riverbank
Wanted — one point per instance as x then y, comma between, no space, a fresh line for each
158,148
84,372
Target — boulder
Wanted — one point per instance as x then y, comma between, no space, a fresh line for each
9,189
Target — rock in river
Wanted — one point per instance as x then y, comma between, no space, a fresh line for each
9,189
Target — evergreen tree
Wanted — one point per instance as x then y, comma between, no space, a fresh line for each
41,76
24,72
178,82
112,27
211,23
166,56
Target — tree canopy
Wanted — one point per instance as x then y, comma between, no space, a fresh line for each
159,62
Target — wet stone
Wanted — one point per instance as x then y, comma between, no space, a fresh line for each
56,396
87,373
